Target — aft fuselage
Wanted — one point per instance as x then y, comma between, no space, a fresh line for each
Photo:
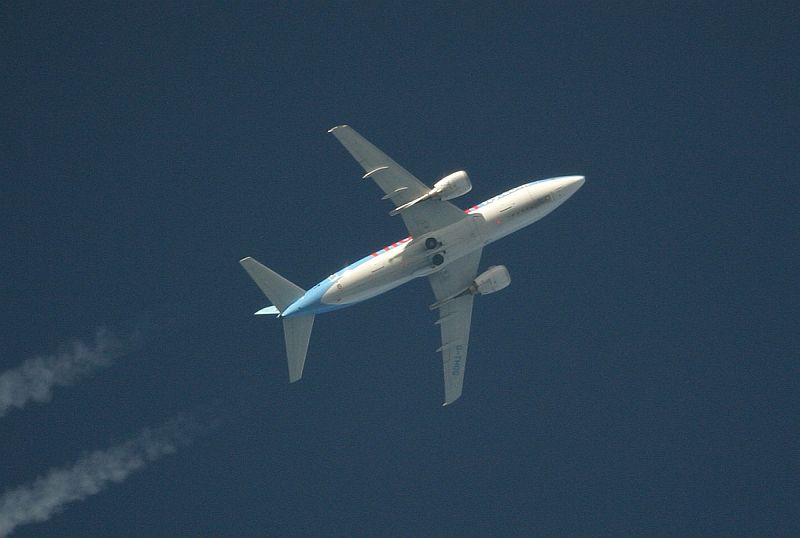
410,258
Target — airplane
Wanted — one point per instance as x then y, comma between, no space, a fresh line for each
444,244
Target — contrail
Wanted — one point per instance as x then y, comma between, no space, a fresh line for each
39,500
35,378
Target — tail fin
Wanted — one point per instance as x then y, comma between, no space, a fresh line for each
297,331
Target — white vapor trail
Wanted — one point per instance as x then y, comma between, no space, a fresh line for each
39,500
35,378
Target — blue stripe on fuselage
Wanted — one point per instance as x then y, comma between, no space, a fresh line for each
311,301
353,265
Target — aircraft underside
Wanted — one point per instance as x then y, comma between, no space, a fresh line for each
445,244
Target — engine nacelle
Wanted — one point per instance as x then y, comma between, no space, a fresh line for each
452,186
494,279
448,187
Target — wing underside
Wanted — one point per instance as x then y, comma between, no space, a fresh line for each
398,185
455,318
401,187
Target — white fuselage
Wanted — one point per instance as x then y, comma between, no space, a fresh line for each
410,258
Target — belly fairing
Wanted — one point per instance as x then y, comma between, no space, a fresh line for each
403,261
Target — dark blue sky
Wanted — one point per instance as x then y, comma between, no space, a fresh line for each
638,378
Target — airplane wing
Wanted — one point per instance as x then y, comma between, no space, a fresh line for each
398,185
455,317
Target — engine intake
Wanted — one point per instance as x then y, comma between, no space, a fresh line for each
494,279
452,186
447,188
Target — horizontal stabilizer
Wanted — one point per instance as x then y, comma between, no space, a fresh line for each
297,332
277,289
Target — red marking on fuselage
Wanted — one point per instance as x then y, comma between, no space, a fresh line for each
393,245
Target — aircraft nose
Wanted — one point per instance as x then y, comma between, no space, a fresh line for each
569,184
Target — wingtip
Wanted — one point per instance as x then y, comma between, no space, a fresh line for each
294,377
451,400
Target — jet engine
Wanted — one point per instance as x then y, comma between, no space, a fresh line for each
452,186
447,188
494,279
